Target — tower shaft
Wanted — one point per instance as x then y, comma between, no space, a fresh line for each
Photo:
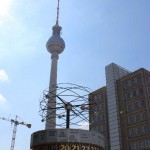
53,75
55,45
51,112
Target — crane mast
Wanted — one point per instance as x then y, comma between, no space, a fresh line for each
15,122
14,133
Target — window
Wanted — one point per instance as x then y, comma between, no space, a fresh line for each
136,105
148,79
139,131
145,129
134,93
134,145
95,98
131,119
141,91
142,130
138,117
126,85
133,81
101,107
130,107
132,132
101,117
127,96
148,143
144,116
101,128
142,102
142,144
100,97
138,79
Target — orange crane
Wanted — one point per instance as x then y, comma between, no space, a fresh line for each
15,122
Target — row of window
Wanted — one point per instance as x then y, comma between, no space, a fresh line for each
98,118
99,97
100,107
134,93
99,128
148,80
137,117
142,144
135,105
130,83
138,131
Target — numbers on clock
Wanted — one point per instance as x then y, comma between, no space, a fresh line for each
77,147
62,147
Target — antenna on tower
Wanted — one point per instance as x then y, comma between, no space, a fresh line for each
57,20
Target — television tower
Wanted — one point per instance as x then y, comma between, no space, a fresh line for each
55,45
63,138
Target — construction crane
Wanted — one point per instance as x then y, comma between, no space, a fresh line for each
15,122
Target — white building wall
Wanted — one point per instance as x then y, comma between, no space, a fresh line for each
113,73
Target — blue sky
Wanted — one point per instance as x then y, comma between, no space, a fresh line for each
96,34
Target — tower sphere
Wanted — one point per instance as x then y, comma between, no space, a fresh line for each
55,42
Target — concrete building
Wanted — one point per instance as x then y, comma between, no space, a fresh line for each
113,73
99,120
134,108
127,111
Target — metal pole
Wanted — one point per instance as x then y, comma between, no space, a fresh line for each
68,119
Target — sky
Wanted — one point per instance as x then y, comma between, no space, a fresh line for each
96,34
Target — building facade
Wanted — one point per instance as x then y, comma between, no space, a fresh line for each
99,119
134,106
127,109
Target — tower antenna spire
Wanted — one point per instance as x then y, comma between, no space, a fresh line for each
57,19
